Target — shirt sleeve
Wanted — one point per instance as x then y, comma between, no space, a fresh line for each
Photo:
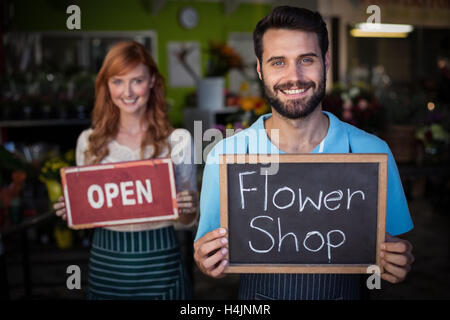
210,193
398,219
209,201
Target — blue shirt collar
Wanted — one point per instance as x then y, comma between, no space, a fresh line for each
336,140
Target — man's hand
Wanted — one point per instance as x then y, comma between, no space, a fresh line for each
396,258
210,253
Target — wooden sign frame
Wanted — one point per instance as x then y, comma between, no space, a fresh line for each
379,158
173,196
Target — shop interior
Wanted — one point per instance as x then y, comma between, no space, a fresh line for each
394,85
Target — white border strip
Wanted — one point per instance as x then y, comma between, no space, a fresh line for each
69,213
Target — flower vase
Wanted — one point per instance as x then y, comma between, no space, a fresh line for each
63,237
54,189
210,93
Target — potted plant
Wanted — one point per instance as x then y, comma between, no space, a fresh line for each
211,87
14,173
434,140
404,110
50,175
356,104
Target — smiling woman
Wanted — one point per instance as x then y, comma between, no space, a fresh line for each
128,73
135,261
130,92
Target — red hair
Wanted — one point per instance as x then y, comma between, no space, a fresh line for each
122,58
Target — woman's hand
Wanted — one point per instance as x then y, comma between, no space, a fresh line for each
60,208
187,201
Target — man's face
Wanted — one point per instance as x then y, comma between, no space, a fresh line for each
293,72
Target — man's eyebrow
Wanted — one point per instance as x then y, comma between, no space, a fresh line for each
308,54
274,58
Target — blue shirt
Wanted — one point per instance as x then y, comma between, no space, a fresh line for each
340,137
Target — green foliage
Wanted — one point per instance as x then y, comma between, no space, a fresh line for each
10,163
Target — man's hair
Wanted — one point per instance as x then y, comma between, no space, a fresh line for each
291,18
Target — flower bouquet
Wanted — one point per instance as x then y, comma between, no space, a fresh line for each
50,173
435,140
222,59
356,104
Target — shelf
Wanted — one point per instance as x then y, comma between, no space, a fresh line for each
44,123
229,109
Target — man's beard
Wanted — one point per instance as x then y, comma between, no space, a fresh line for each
295,108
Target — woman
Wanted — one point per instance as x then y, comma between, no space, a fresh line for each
129,123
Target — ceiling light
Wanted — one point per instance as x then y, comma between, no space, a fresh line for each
381,30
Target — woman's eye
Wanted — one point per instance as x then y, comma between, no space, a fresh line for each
137,81
117,82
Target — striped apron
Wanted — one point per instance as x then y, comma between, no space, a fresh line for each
299,287
137,265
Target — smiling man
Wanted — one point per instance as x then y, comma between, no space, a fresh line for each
291,45
285,60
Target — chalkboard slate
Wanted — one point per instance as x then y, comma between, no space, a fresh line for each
320,213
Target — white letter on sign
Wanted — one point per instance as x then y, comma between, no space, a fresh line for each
329,244
111,191
126,193
146,192
101,199
241,185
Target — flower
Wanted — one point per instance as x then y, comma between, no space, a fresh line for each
50,170
257,105
435,142
69,156
431,134
222,59
51,167
355,104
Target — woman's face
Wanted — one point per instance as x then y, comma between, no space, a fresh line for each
130,91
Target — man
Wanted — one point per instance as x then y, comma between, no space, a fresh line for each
291,45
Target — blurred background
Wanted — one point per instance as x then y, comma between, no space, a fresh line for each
393,82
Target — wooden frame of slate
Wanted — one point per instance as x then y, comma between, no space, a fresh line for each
320,213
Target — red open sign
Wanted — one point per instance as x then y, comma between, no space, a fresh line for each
119,193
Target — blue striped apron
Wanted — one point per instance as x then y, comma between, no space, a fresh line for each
137,265
300,286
